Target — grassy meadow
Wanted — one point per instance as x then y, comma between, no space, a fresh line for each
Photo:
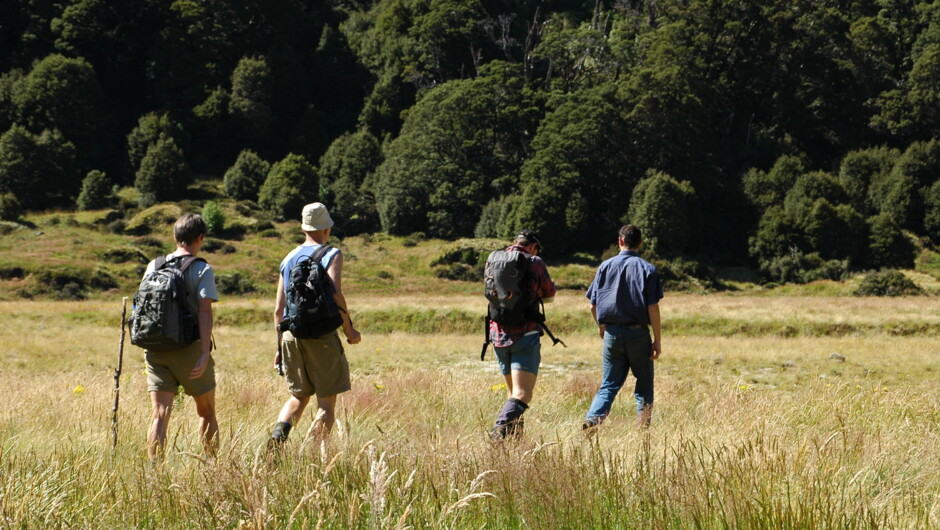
791,406
757,428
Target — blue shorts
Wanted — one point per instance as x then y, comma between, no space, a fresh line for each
523,355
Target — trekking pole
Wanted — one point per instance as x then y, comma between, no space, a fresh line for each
280,357
117,376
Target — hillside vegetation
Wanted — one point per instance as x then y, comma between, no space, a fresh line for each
800,138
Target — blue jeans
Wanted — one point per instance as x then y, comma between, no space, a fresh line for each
524,354
625,349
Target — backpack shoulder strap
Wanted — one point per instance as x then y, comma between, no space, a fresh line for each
189,260
159,262
319,253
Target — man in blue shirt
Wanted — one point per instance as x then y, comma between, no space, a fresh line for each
624,299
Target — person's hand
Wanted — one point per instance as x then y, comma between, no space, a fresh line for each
200,367
277,363
353,336
655,350
600,329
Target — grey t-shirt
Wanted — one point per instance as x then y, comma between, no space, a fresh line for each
200,278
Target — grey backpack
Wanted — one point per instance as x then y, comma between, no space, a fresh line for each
507,287
164,318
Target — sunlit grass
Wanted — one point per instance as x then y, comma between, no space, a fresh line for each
748,431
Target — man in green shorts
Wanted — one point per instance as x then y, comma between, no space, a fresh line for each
192,366
313,366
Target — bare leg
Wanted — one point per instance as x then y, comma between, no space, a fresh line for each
326,416
293,409
208,424
523,385
156,435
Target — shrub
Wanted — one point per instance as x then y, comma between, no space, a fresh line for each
887,283
214,245
9,207
765,189
243,180
797,267
291,184
96,191
235,283
70,291
117,226
214,217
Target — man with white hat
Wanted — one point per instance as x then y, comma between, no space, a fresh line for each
316,365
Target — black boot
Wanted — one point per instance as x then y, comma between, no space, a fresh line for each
509,422
279,434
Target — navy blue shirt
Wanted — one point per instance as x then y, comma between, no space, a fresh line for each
623,288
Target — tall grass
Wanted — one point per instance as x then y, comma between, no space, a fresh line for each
748,431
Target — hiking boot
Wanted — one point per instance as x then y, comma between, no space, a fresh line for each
279,434
590,425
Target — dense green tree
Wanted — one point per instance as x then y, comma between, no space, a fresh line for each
346,171
96,191
836,232
764,189
243,180
40,170
251,96
578,182
808,188
859,169
64,94
460,144
150,127
163,172
666,212
291,183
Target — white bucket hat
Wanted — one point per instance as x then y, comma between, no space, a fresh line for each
315,217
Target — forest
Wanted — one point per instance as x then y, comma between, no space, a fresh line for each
798,137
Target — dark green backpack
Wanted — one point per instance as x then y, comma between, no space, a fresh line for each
164,317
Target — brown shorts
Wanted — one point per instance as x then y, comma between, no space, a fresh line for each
168,370
315,366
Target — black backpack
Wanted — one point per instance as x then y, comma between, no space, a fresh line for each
507,287
311,311
164,318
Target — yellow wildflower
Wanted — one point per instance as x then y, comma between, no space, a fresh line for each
78,390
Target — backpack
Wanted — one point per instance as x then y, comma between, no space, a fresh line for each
311,311
163,318
512,300
508,289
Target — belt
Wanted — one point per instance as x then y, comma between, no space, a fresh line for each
631,325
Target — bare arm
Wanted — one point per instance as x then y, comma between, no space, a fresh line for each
205,337
336,274
280,302
656,348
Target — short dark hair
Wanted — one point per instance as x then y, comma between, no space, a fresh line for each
631,236
527,237
188,228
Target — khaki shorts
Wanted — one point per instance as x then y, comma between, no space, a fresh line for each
315,366
168,370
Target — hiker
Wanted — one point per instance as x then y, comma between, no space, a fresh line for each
189,365
313,362
624,299
514,332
